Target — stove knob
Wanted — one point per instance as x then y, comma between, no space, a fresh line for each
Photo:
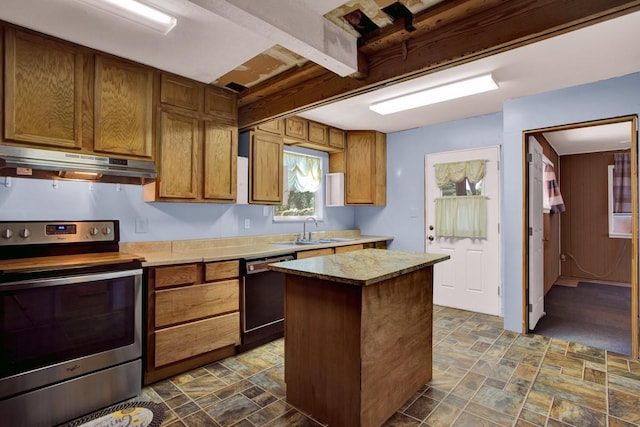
7,233
25,232
106,230
94,231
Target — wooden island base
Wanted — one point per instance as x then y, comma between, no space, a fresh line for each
355,354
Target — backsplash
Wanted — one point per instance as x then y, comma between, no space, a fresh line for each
36,199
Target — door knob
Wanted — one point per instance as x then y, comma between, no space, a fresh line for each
430,238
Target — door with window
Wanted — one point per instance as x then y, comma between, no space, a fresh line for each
462,220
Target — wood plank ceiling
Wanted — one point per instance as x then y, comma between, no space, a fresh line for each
403,40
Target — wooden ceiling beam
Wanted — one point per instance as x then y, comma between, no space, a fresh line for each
437,16
505,26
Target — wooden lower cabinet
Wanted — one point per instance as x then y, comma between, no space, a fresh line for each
184,341
193,317
349,248
314,252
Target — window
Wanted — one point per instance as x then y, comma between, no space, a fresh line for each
302,188
463,188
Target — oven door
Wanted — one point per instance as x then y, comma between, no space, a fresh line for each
56,328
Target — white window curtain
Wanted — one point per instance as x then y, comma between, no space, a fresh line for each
461,216
304,172
473,170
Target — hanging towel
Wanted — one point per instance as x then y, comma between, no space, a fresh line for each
552,191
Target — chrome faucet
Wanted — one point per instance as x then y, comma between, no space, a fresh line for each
304,227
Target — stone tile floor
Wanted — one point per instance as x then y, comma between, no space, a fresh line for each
482,376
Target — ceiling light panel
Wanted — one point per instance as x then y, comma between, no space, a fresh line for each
137,12
436,94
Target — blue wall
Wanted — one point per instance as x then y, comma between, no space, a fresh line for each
609,98
36,199
403,216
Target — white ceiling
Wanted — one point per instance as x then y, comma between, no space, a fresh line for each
598,52
204,46
207,42
591,139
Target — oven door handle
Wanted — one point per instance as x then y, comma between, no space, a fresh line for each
69,280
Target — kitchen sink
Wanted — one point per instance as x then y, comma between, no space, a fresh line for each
314,241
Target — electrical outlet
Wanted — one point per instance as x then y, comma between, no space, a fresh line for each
247,223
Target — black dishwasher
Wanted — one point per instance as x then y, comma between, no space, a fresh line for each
262,301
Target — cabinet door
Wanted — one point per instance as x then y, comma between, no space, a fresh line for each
336,138
181,92
43,92
123,108
274,126
220,162
179,146
314,253
365,164
296,127
265,169
318,133
221,104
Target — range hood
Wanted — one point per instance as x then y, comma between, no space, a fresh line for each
38,163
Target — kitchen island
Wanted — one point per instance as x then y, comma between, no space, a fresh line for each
358,333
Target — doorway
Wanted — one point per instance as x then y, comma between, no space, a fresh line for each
545,275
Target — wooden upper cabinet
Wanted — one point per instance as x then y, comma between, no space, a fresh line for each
43,91
365,168
265,169
181,92
296,127
123,108
275,127
336,138
318,133
179,156
221,104
220,147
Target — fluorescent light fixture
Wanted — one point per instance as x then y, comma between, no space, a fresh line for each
436,94
137,12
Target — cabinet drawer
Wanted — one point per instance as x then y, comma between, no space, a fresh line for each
222,270
184,341
195,302
176,275
314,252
349,248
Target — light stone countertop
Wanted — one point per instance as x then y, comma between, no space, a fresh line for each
208,250
360,267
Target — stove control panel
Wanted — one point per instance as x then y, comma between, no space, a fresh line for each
52,232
